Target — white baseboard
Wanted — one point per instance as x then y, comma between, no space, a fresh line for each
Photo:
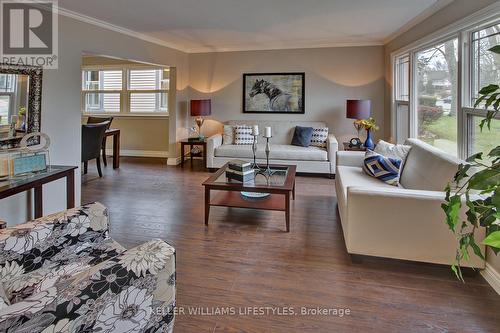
139,153
173,161
492,277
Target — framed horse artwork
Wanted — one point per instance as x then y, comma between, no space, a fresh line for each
274,93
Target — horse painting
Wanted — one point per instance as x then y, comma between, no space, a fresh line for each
278,98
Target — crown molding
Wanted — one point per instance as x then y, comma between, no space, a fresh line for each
116,28
438,5
482,16
296,46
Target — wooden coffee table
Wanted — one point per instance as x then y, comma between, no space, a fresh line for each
281,185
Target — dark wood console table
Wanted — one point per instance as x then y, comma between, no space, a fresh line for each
36,183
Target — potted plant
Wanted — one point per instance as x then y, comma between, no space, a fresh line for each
22,118
369,125
476,185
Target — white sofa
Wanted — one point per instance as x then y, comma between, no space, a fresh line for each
404,222
307,159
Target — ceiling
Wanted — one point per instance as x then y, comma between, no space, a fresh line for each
233,25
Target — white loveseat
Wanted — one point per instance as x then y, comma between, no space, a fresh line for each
307,159
404,222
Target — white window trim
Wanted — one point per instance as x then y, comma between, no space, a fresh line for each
462,30
124,93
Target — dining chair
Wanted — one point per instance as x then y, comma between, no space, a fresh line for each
96,120
92,136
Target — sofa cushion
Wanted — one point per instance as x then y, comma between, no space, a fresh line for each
427,168
302,136
278,152
228,135
282,129
319,137
243,135
393,151
381,167
348,176
59,267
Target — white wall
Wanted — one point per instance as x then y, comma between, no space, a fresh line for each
61,116
332,75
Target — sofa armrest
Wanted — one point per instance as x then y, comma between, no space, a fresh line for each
332,146
212,142
404,224
350,158
52,233
142,278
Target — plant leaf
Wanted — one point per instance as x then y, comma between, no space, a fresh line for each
491,88
475,247
495,49
484,179
493,240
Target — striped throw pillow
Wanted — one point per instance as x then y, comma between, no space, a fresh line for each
243,135
383,168
319,137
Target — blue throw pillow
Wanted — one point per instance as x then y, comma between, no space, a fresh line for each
383,168
302,136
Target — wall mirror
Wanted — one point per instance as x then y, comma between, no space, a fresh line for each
20,103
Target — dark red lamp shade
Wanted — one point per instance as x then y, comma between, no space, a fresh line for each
358,108
200,107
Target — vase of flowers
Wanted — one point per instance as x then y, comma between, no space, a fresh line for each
369,125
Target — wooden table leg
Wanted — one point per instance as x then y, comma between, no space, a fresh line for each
116,150
38,202
182,154
191,155
204,156
293,191
70,189
287,211
207,204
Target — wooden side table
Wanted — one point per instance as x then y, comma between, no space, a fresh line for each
36,183
191,144
346,147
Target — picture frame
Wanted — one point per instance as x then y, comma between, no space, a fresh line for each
274,93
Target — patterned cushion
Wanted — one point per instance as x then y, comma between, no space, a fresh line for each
383,168
243,135
319,137
228,135
71,261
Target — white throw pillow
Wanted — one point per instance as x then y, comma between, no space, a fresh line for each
228,135
319,137
392,151
243,135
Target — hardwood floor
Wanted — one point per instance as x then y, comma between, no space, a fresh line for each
245,259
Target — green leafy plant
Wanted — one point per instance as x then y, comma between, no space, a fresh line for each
476,185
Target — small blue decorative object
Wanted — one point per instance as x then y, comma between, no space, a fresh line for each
369,142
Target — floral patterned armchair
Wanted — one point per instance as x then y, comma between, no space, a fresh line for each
62,273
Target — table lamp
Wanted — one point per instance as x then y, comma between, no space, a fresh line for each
200,108
357,109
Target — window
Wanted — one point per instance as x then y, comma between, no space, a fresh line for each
7,94
485,64
402,96
148,90
436,84
436,95
125,90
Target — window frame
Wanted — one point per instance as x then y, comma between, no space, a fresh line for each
463,30
125,92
